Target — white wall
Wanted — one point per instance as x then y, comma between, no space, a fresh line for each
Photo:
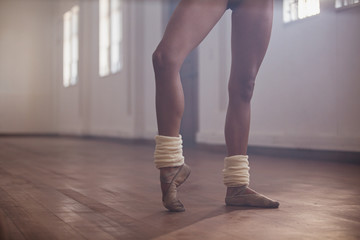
307,90
26,40
306,94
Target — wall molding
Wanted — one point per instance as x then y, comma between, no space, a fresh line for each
276,152
335,143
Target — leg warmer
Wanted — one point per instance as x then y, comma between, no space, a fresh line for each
236,171
168,152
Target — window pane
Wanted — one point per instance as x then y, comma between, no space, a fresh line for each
121,58
299,9
104,64
115,26
346,3
66,49
104,37
75,20
74,45
104,32
74,59
104,8
307,8
294,11
115,58
115,36
74,72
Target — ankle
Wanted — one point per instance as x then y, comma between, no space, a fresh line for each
167,174
167,170
231,191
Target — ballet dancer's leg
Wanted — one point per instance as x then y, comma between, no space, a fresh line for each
190,23
251,29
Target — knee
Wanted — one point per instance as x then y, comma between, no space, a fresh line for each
164,59
242,88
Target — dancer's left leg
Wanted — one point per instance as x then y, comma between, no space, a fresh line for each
251,29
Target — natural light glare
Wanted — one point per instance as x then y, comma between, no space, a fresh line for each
308,8
116,35
110,36
66,50
346,3
70,47
104,44
74,45
299,9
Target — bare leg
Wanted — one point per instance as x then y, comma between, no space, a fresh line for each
188,26
251,29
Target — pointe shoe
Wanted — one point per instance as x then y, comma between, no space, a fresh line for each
169,199
245,196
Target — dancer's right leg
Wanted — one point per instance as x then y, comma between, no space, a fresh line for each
191,21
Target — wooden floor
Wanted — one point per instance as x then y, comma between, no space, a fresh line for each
68,188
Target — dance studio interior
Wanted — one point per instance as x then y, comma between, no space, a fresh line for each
78,123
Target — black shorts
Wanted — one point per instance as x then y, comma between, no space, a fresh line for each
232,4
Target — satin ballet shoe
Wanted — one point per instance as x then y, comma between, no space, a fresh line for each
245,196
169,199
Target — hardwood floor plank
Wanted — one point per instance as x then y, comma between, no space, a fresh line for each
8,229
138,228
50,207
28,225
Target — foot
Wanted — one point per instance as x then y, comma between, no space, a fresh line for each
245,196
171,178
166,175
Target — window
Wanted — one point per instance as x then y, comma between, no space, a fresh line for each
346,3
299,9
71,47
110,37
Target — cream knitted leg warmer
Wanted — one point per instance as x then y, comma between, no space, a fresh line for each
168,152
236,178
236,171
